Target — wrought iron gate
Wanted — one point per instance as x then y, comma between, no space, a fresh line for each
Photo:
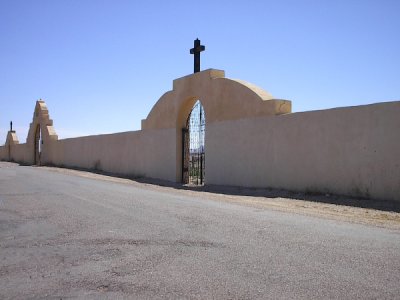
193,150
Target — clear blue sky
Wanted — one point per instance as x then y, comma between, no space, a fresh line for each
101,65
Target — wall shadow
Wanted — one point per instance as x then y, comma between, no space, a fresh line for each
383,205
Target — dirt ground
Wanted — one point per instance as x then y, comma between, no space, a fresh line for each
360,211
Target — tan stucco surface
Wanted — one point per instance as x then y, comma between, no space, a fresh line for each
350,151
222,98
252,139
148,153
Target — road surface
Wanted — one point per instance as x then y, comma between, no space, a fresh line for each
68,235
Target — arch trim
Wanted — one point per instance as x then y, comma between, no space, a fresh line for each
222,98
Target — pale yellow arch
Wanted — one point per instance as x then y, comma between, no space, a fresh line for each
222,99
41,118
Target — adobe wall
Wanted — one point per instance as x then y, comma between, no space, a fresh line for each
252,139
145,153
20,153
349,151
13,150
3,153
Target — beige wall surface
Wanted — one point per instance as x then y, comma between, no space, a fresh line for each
13,151
3,153
351,151
149,153
20,154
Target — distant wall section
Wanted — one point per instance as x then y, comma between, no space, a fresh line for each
146,153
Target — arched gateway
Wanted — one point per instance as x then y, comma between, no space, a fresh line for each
41,132
222,99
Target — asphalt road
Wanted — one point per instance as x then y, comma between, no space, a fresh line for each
66,236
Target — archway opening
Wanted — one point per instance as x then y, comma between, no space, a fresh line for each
193,146
38,144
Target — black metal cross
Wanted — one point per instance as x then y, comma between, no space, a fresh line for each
10,125
196,51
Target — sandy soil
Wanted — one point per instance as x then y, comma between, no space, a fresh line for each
313,205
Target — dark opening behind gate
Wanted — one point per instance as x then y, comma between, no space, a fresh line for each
38,145
193,146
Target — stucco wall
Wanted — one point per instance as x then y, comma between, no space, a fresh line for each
20,153
3,153
15,152
149,153
252,139
351,151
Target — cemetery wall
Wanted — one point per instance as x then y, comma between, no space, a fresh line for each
3,153
145,153
15,152
19,153
251,140
349,151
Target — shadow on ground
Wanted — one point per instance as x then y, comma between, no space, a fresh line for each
383,205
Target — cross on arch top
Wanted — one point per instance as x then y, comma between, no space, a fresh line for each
197,48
